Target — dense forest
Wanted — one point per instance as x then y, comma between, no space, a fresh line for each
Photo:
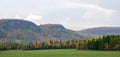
107,42
27,31
25,35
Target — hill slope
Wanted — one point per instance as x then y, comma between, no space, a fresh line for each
58,31
28,31
102,31
18,29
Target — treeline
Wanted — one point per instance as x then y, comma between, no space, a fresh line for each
33,45
108,42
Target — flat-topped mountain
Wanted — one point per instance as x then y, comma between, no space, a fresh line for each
58,31
18,24
52,26
12,29
24,30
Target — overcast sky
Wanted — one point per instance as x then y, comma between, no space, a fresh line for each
73,14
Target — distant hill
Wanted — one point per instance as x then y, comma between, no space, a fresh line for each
58,31
102,31
11,29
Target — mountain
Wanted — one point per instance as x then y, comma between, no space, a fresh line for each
12,29
58,31
102,31
18,29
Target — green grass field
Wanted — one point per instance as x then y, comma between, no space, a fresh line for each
59,53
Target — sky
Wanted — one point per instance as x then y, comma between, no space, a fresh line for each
72,14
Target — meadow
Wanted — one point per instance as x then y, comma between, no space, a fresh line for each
59,53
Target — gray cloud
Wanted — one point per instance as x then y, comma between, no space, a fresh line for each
73,14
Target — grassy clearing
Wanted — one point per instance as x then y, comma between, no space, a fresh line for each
59,53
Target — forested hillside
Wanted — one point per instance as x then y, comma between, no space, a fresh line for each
11,30
100,31
21,34
108,42
58,31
